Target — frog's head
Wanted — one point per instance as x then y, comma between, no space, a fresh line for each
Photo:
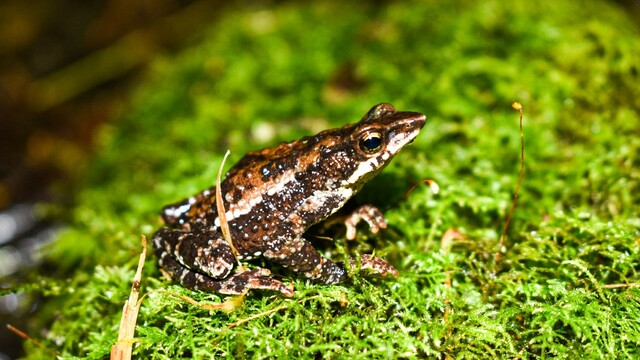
377,138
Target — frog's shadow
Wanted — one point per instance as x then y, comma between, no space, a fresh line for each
384,192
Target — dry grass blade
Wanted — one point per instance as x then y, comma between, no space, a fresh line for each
618,286
123,347
224,225
226,306
264,313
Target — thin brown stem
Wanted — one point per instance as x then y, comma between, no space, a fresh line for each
25,336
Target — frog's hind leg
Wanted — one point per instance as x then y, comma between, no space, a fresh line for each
178,214
181,255
236,283
205,251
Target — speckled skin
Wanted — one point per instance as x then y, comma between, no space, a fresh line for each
272,197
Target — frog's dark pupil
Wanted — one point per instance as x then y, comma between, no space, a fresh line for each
371,143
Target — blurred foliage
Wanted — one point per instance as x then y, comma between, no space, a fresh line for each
565,286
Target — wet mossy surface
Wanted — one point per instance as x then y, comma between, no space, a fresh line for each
564,285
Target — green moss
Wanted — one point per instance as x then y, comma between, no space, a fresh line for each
263,76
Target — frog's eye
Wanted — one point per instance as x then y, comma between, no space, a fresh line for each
370,142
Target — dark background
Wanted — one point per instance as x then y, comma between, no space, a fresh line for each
66,69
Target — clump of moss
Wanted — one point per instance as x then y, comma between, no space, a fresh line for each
562,288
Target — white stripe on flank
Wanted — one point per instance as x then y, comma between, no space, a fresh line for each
244,207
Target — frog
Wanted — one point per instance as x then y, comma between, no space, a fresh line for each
272,196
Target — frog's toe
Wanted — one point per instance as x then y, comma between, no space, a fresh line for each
375,265
242,282
370,214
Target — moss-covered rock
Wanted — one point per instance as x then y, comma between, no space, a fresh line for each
267,75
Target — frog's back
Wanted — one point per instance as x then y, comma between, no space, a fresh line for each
286,188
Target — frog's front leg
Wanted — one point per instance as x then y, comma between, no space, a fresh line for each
370,214
300,256
203,261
